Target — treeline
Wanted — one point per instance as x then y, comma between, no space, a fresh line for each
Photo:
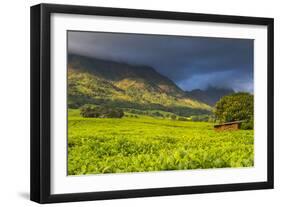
80,100
89,110
196,118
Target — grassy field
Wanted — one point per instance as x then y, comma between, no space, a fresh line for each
143,143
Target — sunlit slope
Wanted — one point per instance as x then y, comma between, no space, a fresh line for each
92,80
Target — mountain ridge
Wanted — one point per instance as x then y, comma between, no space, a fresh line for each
117,71
98,81
210,95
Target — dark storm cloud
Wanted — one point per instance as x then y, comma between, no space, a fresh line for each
191,62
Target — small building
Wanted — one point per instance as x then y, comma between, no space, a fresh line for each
235,125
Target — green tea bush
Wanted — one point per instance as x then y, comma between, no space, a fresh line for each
182,119
97,146
201,118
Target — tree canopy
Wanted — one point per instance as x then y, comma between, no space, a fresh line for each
89,110
236,107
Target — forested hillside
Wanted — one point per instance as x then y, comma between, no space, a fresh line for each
96,81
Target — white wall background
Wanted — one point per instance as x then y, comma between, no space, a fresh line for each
14,102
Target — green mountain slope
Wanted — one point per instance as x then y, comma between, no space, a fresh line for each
92,80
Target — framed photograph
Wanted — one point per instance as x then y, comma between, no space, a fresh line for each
133,103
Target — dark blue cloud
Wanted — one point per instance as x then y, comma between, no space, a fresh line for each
191,62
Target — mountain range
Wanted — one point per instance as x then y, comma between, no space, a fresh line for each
210,95
99,81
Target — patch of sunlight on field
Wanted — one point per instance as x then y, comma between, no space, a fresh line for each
130,144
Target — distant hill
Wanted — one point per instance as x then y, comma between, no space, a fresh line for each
97,81
209,96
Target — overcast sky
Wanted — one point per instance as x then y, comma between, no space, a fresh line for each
191,62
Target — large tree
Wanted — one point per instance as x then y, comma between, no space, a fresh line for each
236,107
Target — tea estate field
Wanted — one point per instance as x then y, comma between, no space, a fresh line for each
144,143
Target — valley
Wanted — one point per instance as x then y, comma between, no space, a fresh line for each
142,121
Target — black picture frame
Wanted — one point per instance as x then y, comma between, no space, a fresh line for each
41,96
